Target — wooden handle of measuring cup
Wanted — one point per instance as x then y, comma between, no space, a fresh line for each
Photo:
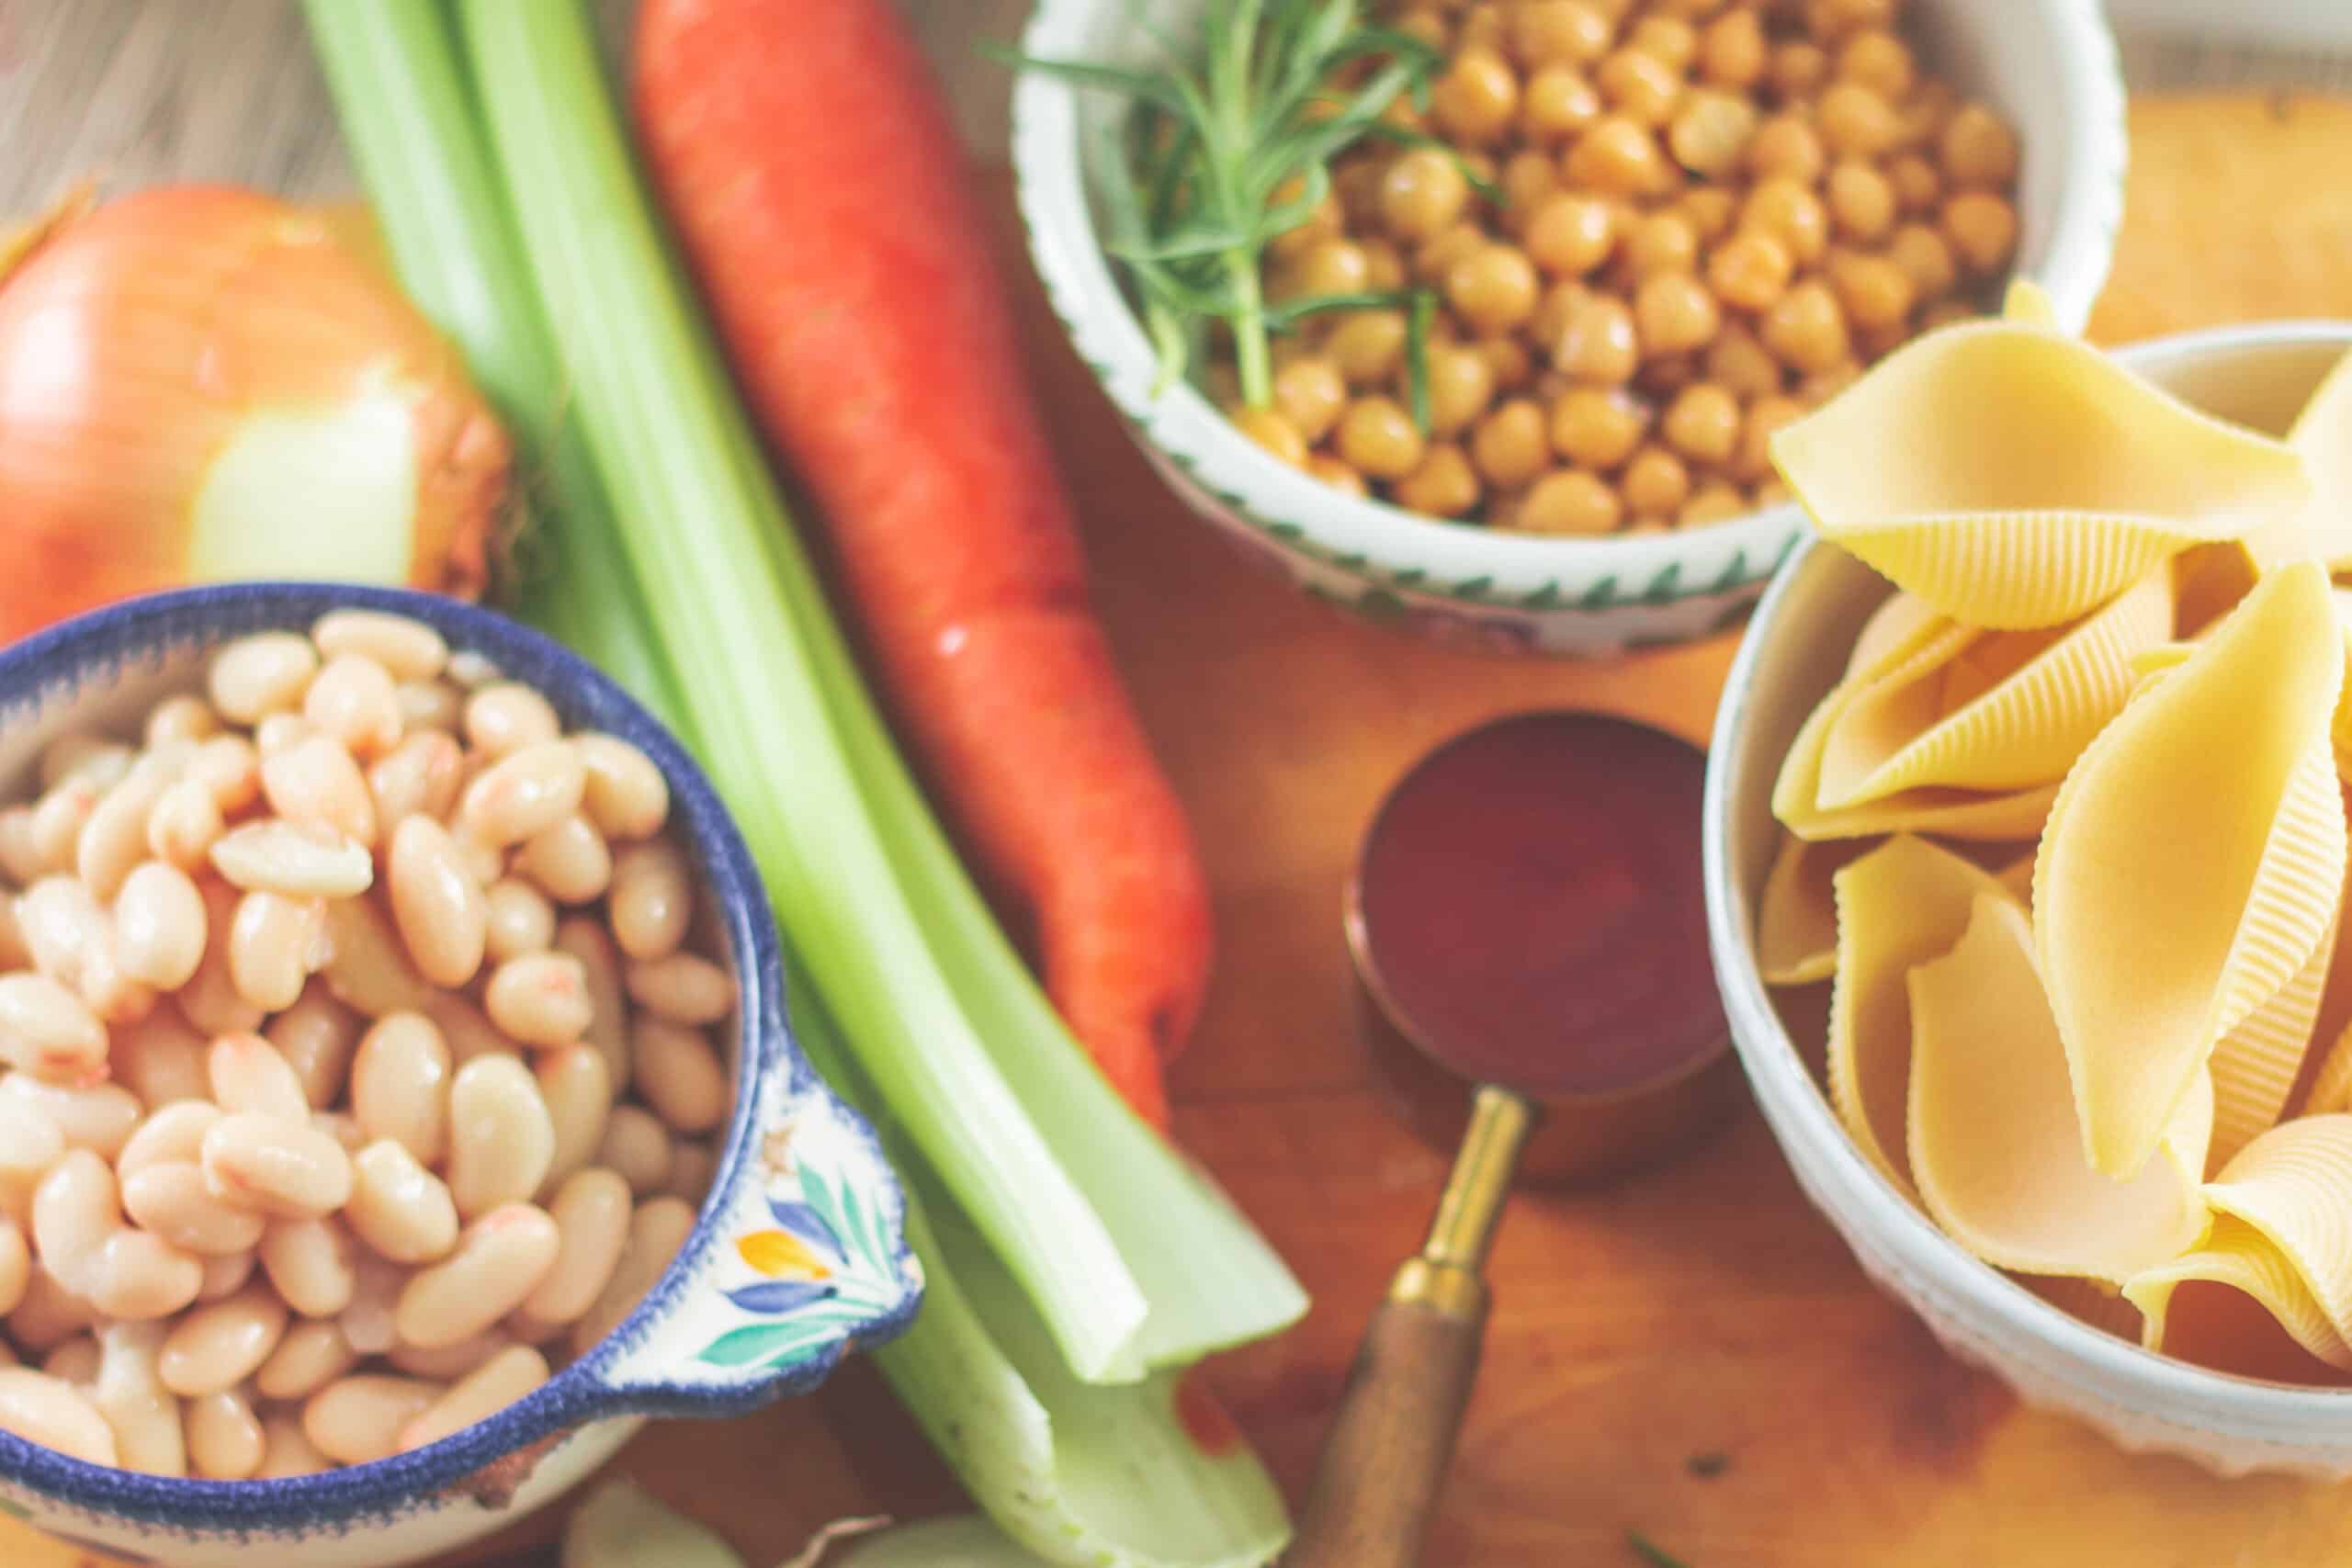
1385,1457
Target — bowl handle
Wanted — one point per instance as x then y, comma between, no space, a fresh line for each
801,1254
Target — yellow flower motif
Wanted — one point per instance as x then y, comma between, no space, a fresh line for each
782,1256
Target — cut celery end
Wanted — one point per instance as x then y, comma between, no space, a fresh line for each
662,424
963,1541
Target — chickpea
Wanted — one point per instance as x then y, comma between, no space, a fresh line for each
1710,132
1875,342
1368,345
1823,385
1442,485
1222,384
1791,214
1874,291
1669,40
1738,360
1404,115
1879,61
1383,265
1830,18
1977,150
1753,461
1710,208
1528,178
1330,266
1730,50
1508,365
1640,87
1662,375
1309,392
1616,156
1675,311
1597,429
1568,502
1493,289
1798,68
1771,492
1918,187
1477,98
1269,430
1664,242
1324,221
1557,103
1356,181
1551,312
1646,522
1861,202
1484,26
1925,113
1806,328
1338,475
1921,253
1785,145
1510,445
1712,503
1982,229
1856,121
1703,423
1569,236
1946,313
1426,25
1598,347
1749,270
1423,194
1654,482
1376,436
1461,385
1558,32
1436,258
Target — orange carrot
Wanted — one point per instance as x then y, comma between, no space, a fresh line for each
806,160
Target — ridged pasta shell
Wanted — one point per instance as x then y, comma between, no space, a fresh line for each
2008,711
2236,1255
1985,1055
2094,1302
2256,1065
2012,477
2321,528
2294,1184
1796,915
2192,860
1902,905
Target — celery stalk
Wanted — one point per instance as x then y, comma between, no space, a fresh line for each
659,416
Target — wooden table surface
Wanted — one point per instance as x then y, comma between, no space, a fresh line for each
1692,1354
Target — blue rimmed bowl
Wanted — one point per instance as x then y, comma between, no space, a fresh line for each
715,1336
2048,66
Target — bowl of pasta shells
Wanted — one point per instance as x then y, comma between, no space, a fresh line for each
2026,850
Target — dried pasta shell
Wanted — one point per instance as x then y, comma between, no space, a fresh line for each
2152,955
2236,1255
1896,626
2256,1065
1986,1055
2294,1184
2321,528
2017,878
2028,304
2094,1302
1904,902
2332,1087
1796,915
2008,711
2208,582
2037,478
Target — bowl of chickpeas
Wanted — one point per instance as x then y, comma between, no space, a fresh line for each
396,1102
1640,236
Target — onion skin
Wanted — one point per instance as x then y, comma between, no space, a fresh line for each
137,342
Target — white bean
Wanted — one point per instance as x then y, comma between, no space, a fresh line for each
317,1036
315,780
75,1209
682,987
248,1075
57,822
419,776
210,1000
43,1410
398,1207
97,1117
185,716
600,964
541,999
439,908
500,1261
114,996
679,1075
355,1419
224,1276
263,674
275,1168
230,766
186,824
488,1389
29,1142
656,1232
311,1356
638,1146
368,1322
626,796
16,1265
525,792
571,862
409,650
114,837
429,704
400,1085
144,1414
275,943
142,1276
62,925
446,1363
83,758
159,926
46,1030
652,899
468,1032
693,1167
50,1314
224,1437
591,1213
20,860
505,717
75,1362
15,954
280,732
577,1088
287,1451
521,919
471,670
500,1137
351,699
172,1132
221,1343
343,1127
369,971
312,1263
298,859
171,1199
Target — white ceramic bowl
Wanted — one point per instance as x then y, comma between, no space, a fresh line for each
1793,653
2048,66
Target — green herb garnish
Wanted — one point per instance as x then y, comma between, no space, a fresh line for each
1650,1553
1223,159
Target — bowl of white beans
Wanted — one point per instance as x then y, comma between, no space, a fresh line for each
397,1101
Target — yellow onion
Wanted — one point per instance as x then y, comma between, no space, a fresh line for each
202,384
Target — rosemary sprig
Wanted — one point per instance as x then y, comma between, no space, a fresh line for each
1225,156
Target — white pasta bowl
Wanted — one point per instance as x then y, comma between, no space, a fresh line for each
713,1337
1794,652
2048,66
